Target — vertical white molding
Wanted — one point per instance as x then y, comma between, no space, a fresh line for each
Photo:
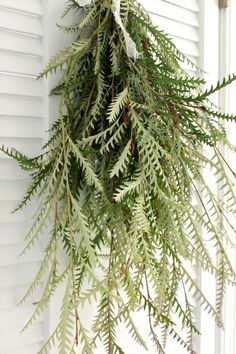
223,106
210,64
228,20
219,53
45,43
45,39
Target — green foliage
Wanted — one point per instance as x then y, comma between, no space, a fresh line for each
117,178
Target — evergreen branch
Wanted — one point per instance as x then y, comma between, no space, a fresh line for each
91,178
26,163
219,86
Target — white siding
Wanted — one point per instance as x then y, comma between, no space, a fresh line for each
21,126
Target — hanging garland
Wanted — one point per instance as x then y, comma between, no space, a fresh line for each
117,177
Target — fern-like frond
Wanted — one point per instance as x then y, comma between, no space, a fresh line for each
120,165
129,187
26,163
117,104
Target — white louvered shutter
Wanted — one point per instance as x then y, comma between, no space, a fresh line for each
28,38
22,123
181,20
25,39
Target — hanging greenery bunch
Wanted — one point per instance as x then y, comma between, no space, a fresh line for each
117,178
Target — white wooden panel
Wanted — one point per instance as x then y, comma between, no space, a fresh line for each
33,335
26,146
18,316
181,23
11,276
13,233
176,29
21,127
11,246
21,22
12,190
21,106
20,43
187,47
9,255
10,171
30,6
10,297
19,63
29,349
7,299
6,215
187,4
168,10
20,85
12,127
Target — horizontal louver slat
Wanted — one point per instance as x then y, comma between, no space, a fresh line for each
21,106
187,4
12,190
12,233
187,47
20,43
18,316
15,275
12,127
10,299
6,215
171,11
7,299
176,29
19,63
10,171
9,255
29,349
30,6
30,147
20,85
33,335
14,21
